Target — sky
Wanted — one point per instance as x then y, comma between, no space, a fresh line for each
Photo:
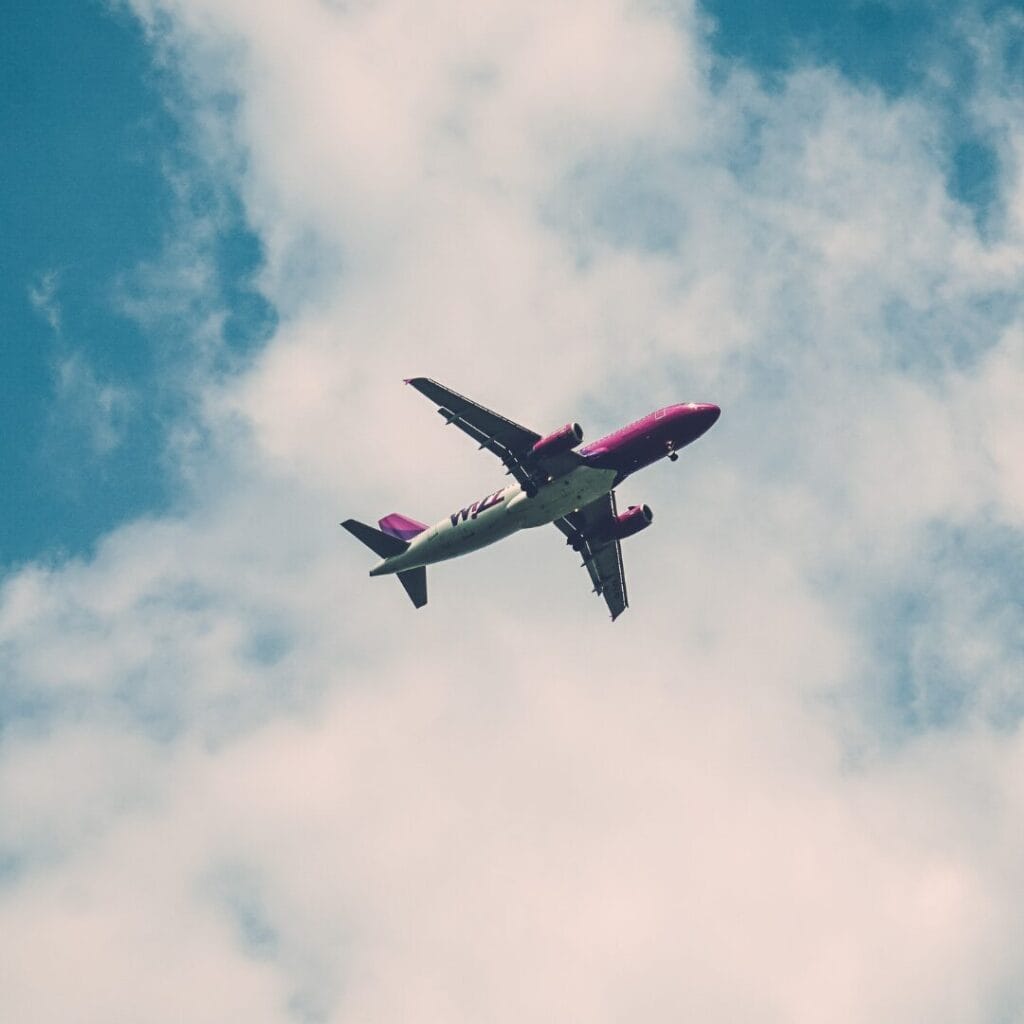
241,781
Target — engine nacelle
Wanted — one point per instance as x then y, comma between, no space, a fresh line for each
559,442
633,520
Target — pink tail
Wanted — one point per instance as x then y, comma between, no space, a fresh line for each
402,527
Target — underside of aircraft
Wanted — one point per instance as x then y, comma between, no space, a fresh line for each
556,482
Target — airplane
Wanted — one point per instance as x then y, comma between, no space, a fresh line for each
555,482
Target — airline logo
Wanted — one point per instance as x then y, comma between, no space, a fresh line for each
476,508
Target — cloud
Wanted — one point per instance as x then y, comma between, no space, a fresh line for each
43,296
97,409
242,780
84,405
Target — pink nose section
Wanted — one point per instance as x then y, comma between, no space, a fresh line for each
709,414
698,418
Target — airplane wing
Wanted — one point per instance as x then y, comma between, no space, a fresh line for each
509,441
602,558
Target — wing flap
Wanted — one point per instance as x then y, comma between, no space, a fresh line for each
464,412
509,441
601,558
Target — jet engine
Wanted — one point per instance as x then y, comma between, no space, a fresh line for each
633,520
559,442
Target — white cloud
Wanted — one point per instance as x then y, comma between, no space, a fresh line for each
43,296
255,784
85,406
90,407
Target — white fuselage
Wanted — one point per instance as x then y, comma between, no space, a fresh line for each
499,515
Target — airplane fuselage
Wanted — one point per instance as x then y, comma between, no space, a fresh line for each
604,464
499,515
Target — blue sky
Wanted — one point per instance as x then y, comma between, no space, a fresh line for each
93,134
894,47
84,200
239,780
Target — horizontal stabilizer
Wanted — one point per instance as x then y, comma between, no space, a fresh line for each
383,544
415,583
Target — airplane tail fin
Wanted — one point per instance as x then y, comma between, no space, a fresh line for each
387,542
384,544
402,527
415,583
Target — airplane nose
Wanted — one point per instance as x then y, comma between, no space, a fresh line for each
702,416
692,420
